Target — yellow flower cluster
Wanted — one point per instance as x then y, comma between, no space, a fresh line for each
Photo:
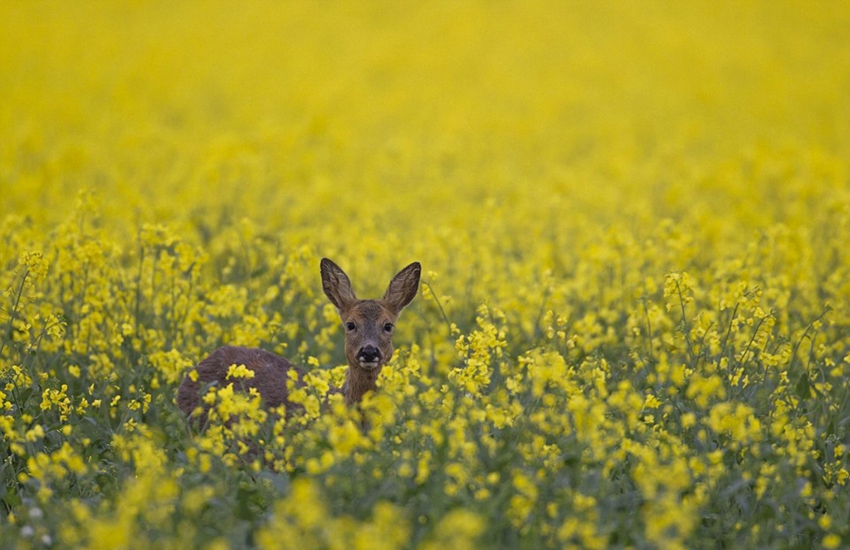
632,326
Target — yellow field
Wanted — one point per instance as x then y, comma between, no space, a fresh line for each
633,220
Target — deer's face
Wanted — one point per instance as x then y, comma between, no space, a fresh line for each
368,326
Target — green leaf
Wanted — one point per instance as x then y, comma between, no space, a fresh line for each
803,389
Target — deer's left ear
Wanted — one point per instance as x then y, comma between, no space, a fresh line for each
403,288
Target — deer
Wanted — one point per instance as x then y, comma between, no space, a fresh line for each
368,327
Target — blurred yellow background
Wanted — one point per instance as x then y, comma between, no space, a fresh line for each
419,112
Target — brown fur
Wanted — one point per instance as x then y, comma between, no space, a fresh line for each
358,381
368,326
270,376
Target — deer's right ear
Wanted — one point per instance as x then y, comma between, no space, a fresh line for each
336,285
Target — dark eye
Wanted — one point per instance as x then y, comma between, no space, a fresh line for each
388,327
350,326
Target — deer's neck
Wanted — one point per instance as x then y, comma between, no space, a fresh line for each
357,382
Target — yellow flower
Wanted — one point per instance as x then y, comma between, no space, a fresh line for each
831,541
35,433
458,529
240,371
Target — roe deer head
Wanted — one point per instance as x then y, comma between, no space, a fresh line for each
368,325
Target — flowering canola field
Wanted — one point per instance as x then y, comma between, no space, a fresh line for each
633,329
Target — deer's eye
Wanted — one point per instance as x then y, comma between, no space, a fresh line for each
350,326
388,327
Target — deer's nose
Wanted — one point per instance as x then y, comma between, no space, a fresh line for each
369,354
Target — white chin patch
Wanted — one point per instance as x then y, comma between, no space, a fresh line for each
370,365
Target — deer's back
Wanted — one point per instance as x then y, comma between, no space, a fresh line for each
271,373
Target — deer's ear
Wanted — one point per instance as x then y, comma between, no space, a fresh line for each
403,288
336,285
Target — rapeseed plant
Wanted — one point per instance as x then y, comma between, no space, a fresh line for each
632,324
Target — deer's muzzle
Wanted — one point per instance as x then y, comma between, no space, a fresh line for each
369,357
